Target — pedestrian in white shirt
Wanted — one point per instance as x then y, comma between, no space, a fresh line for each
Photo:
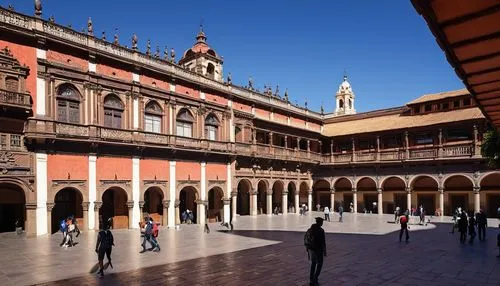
327,213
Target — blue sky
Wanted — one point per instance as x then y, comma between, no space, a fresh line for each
386,48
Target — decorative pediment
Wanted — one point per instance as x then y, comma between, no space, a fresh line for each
58,183
154,182
11,65
115,182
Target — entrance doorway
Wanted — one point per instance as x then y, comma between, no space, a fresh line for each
399,201
153,198
114,206
243,198
348,199
12,207
215,205
428,201
369,199
188,197
68,202
458,200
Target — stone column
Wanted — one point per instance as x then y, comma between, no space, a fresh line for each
130,205
85,206
355,199
234,197
441,200
253,200
380,202
97,207
440,143
227,210
30,223
332,199
378,148
309,200
202,213
297,201
477,202
50,206
269,202
164,219
284,203
141,210
177,212
408,198
477,144
407,151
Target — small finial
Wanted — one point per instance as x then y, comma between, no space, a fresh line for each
115,40
322,111
52,19
11,8
305,103
345,75
69,176
157,52
134,41
277,91
172,55
90,27
165,53
229,78
286,94
250,83
148,48
70,26
103,37
38,8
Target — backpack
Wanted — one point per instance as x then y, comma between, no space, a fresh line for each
403,220
106,239
309,242
62,225
155,229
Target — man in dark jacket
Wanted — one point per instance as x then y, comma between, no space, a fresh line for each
462,226
317,250
482,223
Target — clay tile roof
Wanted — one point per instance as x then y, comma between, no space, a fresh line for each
440,95
398,121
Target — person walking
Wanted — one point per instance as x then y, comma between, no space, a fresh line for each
403,221
341,213
104,245
396,214
154,234
146,232
326,210
462,227
315,243
482,224
472,228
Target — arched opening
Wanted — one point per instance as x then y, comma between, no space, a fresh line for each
187,199
153,203
458,193
215,204
114,205
350,103
490,194
278,195
68,104
367,192
343,193
424,192
243,198
211,127
341,104
210,70
113,111
303,194
394,195
184,123
292,190
153,117
68,202
262,198
321,195
12,207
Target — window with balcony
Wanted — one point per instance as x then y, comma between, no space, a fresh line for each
211,127
113,111
68,104
392,142
152,117
184,125
458,135
422,139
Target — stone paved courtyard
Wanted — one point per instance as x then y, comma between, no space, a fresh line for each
263,250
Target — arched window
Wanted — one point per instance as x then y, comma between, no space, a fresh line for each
152,117
68,104
12,84
211,127
237,134
341,103
113,111
350,103
210,70
184,123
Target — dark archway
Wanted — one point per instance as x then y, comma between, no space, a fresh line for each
394,193
458,193
68,202
243,197
12,207
490,194
215,204
426,190
187,201
262,198
343,193
367,190
114,205
321,194
278,195
292,190
303,194
153,198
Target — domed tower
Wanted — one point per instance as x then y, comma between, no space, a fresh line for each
202,59
344,99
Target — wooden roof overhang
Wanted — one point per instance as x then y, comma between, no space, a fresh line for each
469,34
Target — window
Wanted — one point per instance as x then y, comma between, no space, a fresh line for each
68,104
113,110
428,107
392,142
366,145
152,117
211,127
12,84
417,110
238,134
210,70
424,139
184,124
458,134
15,141
3,141
467,102
341,103
456,103
446,106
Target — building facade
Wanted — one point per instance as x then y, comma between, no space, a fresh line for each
96,129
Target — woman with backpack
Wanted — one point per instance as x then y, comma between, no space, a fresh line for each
104,245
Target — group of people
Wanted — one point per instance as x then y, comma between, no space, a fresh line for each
466,223
415,212
149,233
187,217
68,227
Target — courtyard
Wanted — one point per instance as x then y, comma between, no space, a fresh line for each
262,250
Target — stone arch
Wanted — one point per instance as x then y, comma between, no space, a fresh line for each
106,185
490,193
160,186
58,186
115,205
336,180
215,211
416,178
453,178
188,200
303,193
424,189
343,192
321,194
218,184
277,193
457,192
394,194
292,191
69,85
366,188
262,191
153,203
29,193
244,188
392,178
13,201
68,201
366,181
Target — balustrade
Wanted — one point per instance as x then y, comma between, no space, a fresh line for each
426,153
14,98
342,158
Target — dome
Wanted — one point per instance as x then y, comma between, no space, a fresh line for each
200,47
345,86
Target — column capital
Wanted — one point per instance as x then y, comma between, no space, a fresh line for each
285,193
332,190
166,204
130,204
408,190
141,204
50,206
379,190
85,206
31,206
201,202
476,190
234,194
441,190
97,206
310,192
177,203
253,193
354,190
226,202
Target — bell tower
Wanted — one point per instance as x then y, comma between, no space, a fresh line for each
344,99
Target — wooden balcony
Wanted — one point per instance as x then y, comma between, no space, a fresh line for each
15,100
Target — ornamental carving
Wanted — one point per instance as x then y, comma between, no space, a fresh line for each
155,182
80,183
7,161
